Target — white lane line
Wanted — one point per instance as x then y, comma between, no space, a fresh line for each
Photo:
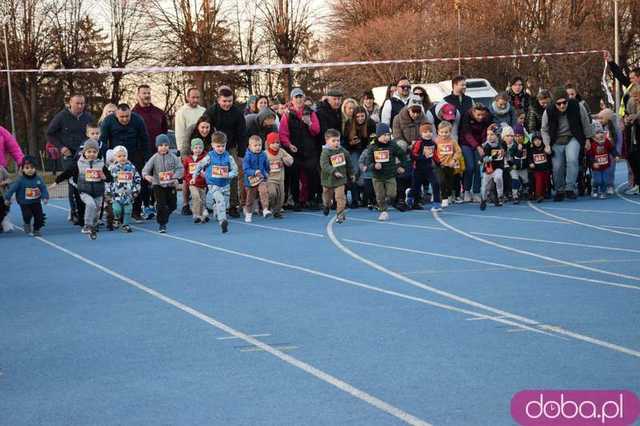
559,330
539,256
593,211
482,318
350,282
235,337
514,330
624,197
632,228
499,265
586,225
307,368
518,219
404,225
564,243
277,228
280,348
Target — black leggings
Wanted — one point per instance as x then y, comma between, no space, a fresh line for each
34,211
166,202
633,158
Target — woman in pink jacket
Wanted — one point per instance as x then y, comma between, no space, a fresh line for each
9,146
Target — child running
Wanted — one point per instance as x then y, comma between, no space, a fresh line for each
449,156
336,172
493,164
163,171
600,153
539,159
124,188
199,186
256,172
30,191
219,168
384,154
424,155
519,164
90,172
278,160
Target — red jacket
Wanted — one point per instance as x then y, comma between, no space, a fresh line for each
599,154
187,162
154,120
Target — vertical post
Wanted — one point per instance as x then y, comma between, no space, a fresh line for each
6,55
457,6
616,51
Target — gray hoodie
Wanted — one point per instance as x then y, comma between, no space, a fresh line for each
164,169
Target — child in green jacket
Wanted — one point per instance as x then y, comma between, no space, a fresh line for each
336,172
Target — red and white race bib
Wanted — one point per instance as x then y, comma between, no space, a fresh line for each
32,193
220,171
446,148
497,154
338,160
275,166
93,175
602,159
166,177
255,180
124,177
192,168
381,156
428,151
539,158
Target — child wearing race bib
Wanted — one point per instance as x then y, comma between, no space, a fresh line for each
600,154
367,177
30,190
425,159
278,159
256,172
539,159
164,172
90,173
449,157
382,156
125,186
519,164
335,172
493,165
198,189
219,168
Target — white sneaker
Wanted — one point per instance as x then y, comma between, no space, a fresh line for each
436,207
632,191
467,196
445,203
476,198
594,193
85,229
7,226
384,216
610,190
248,217
266,213
458,200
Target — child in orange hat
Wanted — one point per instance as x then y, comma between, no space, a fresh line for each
278,159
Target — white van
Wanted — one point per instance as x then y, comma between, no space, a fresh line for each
479,89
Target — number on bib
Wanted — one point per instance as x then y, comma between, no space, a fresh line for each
446,148
338,160
125,177
192,168
539,158
275,166
428,151
166,176
32,193
93,175
381,156
602,159
220,171
255,180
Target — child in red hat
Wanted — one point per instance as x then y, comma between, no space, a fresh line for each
278,159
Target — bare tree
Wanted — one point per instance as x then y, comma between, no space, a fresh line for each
249,45
287,25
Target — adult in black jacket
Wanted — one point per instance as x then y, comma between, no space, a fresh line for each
229,119
329,113
457,98
261,124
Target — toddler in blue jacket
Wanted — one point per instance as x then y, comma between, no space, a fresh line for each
256,171
30,190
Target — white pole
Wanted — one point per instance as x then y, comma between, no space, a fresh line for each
6,54
616,51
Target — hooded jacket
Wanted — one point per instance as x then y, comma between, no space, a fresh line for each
329,118
332,161
255,125
253,162
190,164
503,116
125,183
406,129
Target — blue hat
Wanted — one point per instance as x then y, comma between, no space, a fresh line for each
382,129
162,139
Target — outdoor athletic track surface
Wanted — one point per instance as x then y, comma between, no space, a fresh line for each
428,318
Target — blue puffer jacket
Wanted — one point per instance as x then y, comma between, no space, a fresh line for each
126,182
253,162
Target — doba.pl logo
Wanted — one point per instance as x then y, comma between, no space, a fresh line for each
575,408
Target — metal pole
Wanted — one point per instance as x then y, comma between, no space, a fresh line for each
6,54
616,51
457,5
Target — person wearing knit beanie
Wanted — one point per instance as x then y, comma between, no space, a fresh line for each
559,93
195,142
162,139
91,144
278,159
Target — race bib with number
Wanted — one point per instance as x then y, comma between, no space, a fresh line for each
220,171
192,168
125,177
166,176
539,158
381,156
275,166
497,154
602,159
446,148
338,160
32,193
255,180
93,175
428,151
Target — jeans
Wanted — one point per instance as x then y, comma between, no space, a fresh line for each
472,169
566,165
123,210
600,180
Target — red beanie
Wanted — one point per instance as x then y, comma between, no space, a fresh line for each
272,138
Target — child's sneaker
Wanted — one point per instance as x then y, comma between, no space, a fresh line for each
370,206
248,217
384,216
326,210
516,199
445,203
341,218
27,228
277,215
206,219
483,205
93,234
266,213
126,229
224,225
149,213
408,199
436,207
610,190
594,193
467,196
197,220
499,201
186,210
458,200
86,229
476,198
37,233
162,229
603,196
